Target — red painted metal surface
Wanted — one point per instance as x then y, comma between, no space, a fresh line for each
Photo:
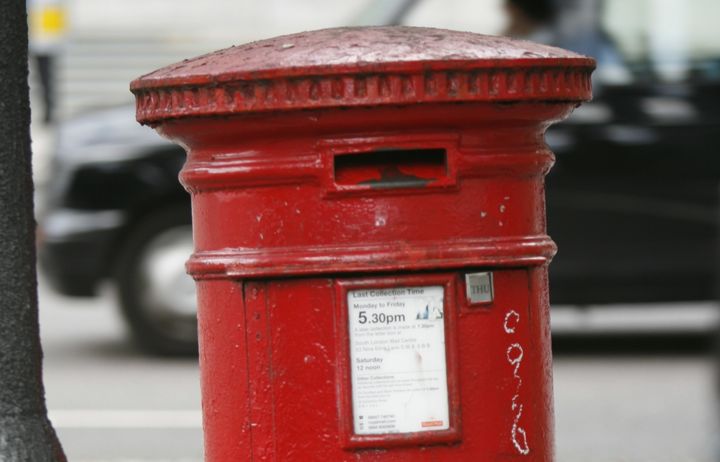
373,157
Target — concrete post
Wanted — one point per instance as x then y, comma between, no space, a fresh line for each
25,431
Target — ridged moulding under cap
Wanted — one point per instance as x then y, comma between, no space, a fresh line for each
356,67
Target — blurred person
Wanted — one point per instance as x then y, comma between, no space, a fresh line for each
533,20
47,26
562,23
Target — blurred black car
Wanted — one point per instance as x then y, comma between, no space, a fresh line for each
632,200
114,210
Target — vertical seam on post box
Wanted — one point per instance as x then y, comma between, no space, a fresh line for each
248,399
343,388
260,380
337,351
271,378
529,281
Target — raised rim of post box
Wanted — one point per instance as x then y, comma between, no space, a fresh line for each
243,263
364,67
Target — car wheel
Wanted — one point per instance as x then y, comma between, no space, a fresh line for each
156,296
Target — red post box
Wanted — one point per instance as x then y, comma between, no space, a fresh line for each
370,245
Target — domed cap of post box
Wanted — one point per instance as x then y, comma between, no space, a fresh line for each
361,67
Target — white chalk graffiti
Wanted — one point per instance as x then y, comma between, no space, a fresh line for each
521,443
512,319
514,355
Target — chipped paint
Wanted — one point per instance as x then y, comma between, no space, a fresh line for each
380,218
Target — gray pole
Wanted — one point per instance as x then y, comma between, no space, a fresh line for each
25,432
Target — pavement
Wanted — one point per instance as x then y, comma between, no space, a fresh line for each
654,409
106,399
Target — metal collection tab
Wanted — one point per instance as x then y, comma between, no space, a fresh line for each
479,288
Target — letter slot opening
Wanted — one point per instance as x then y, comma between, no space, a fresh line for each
391,168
